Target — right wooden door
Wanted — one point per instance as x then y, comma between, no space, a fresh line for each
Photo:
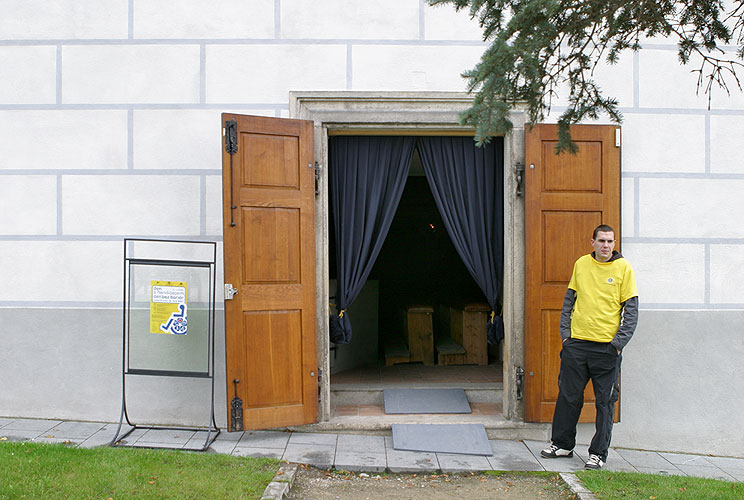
566,197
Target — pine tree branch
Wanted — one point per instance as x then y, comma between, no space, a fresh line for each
538,46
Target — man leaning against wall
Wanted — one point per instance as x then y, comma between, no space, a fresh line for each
599,316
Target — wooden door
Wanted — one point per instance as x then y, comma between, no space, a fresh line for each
269,238
566,197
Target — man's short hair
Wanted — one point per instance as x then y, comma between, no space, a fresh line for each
604,228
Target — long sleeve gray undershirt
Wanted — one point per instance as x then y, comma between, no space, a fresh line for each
628,319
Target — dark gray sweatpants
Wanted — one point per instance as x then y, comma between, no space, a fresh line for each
581,361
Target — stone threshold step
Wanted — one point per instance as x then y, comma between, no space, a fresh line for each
379,386
497,427
375,396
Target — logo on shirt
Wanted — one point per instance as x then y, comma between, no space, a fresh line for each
609,280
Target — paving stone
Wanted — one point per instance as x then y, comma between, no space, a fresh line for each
132,437
225,447
76,430
155,444
512,455
177,438
197,441
409,461
313,438
615,461
684,459
30,424
645,459
670,470
554,464
100,438
318,455
230,436
703,471
368,444
112,428
451,462
264,439
58,440
737,474
361,461
258,452
19,435
727,462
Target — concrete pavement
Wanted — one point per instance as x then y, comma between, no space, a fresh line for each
358,452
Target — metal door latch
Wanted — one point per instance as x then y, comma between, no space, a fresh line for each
230,292
520,382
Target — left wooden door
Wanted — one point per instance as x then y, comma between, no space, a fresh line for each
269,253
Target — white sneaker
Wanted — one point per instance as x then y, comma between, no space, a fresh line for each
594,462
555,452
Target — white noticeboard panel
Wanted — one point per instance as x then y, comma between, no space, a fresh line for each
169,318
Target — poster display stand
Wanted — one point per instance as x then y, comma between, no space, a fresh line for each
168,317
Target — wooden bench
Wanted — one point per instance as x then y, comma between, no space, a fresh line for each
396,351
449,352
467,327
420,329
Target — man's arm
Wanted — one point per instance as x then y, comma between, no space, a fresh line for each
568,303
628,322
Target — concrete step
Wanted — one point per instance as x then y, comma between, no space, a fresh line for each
485,399
497,427
356,394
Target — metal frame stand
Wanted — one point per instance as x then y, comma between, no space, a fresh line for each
212,430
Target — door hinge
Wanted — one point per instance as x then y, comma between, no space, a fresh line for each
230,292
617,137
520,382
231,146
317,167
231,136
519,170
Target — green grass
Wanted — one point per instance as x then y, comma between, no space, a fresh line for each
608,485
44,471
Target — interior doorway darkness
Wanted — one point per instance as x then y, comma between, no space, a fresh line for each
418,264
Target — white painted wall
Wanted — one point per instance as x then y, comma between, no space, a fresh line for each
109,127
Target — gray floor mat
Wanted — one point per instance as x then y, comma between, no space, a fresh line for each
399,401
465,439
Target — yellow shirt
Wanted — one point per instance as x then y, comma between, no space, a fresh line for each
601,288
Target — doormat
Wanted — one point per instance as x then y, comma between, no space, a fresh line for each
399,401
464,439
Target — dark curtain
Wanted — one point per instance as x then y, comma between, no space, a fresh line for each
367,176
467,184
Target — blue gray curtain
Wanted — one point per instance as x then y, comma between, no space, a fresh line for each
367,176
467,184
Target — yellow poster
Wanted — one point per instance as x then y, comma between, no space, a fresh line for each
168,307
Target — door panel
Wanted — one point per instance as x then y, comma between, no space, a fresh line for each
271,243
269,234
579,173
566,197
276,160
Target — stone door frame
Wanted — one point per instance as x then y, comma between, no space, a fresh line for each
416,113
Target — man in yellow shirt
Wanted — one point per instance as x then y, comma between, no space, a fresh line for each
599,316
